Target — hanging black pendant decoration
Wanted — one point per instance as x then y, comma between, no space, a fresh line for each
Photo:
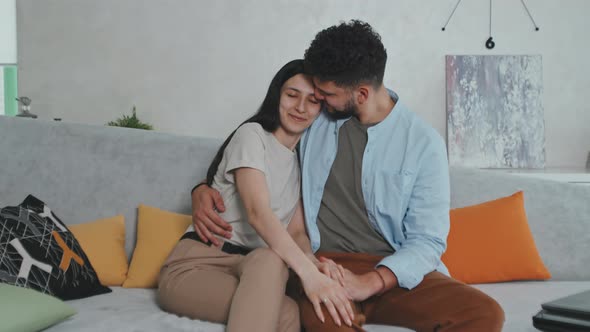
490,43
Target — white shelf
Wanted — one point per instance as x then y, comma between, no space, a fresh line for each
571,175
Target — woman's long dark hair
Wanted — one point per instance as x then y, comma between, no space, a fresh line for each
267,115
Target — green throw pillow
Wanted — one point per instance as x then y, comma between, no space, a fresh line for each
23,309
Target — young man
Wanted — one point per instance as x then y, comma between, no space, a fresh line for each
375,187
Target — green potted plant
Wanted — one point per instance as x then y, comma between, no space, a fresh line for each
130,122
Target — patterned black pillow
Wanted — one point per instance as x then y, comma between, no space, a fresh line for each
38,251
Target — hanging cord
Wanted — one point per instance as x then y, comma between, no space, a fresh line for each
490,18
490,42
530,16
490,28
452,13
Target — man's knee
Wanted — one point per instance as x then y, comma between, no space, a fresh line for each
483,312
491,312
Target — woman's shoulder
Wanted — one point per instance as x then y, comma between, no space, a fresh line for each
251,129
249,133
251,126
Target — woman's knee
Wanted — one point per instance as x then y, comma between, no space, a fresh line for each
267,262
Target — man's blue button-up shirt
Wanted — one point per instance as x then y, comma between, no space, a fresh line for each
405,184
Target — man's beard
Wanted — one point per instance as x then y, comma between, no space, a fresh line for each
349,110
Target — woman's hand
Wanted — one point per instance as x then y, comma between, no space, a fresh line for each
321,289
331,269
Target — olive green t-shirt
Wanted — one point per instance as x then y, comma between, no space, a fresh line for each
342,220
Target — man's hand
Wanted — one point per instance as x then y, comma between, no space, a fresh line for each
331,269
361,287
206,202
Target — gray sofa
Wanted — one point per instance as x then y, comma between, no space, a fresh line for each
88,172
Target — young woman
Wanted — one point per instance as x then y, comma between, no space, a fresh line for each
256,170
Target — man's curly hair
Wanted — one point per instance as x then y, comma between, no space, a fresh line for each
347,54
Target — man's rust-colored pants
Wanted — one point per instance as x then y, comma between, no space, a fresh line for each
438,303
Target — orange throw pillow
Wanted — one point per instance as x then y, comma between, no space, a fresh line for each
492,242
103,242
158,232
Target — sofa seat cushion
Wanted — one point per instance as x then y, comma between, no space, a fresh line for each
127,309
521,300
135,309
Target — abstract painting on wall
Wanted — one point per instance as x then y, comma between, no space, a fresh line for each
494,111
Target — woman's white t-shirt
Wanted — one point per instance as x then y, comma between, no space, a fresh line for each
253,147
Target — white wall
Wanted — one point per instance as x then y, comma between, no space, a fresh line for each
213,60
7,32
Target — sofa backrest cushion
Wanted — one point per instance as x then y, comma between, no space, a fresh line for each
89,172
558,215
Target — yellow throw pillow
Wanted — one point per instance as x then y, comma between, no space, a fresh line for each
103,241
492,242
158,231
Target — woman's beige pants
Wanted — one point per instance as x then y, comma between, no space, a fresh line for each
245,292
